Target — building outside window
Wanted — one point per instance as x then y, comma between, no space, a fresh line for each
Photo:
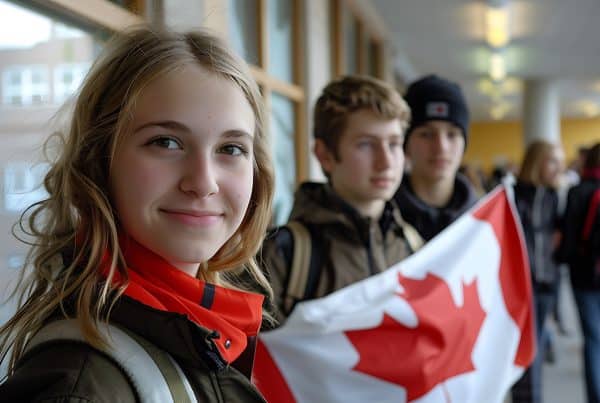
25,85
42,62
67,79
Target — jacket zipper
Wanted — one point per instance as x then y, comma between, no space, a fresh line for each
370,260
538,236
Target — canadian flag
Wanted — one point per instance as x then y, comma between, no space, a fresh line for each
452,323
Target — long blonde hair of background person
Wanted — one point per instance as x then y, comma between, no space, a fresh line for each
531,168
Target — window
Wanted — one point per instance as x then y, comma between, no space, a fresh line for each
15,261
282,122
351,42
265,33
356,47
42,61
244,29
67,79
25,85
23,185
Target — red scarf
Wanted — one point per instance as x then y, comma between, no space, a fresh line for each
235,315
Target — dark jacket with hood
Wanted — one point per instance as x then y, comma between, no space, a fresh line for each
430,221
74,372
347,247
581,255
538,210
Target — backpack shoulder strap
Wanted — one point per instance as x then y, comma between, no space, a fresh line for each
300,267
414,240
594,207
155,375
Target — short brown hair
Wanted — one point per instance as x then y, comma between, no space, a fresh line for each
344,96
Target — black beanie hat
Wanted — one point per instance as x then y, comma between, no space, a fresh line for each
434,98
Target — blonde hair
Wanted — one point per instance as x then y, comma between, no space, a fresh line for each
347,95
78,216
531,168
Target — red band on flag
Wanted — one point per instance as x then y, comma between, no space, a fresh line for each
514,271
268,379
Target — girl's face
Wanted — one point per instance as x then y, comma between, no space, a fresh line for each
181,180
551,167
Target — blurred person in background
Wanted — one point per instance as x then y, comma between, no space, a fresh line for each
580,248
537,205
434,194
476,178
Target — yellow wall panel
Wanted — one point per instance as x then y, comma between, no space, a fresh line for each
493,142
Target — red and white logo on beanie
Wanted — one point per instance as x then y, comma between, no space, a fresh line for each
437,110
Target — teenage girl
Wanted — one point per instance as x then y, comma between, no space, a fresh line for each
162,183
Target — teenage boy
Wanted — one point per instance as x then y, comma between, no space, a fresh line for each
351,228
433,193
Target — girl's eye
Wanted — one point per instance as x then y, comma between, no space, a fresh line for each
235,150
166,142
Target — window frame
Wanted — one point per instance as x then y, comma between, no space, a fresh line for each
294,91
99,13
366,35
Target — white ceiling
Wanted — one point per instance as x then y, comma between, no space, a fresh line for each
555,40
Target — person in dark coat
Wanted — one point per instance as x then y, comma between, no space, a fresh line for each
355,228
580,249
433,194
536,200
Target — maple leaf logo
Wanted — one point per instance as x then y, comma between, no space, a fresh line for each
438,348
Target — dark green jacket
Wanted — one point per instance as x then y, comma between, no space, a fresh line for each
74,372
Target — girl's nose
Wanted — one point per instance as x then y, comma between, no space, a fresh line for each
199,176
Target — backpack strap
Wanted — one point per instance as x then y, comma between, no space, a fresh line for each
300,267
414,240
590,217
155,375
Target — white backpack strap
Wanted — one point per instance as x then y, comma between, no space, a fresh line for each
155,375
412,236
300,264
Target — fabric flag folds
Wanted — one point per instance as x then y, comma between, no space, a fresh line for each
452,323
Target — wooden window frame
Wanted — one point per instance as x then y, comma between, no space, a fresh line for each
293,91
339,67
100,13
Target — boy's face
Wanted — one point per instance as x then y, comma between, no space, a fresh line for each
435,150
370,161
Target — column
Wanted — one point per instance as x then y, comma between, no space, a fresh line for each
541,111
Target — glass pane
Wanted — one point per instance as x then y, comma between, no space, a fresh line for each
350,42
280,38
243,29
282,131
42,62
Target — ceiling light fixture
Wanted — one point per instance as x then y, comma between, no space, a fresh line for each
499,110
497,33
497,67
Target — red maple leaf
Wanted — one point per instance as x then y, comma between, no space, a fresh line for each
438,348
